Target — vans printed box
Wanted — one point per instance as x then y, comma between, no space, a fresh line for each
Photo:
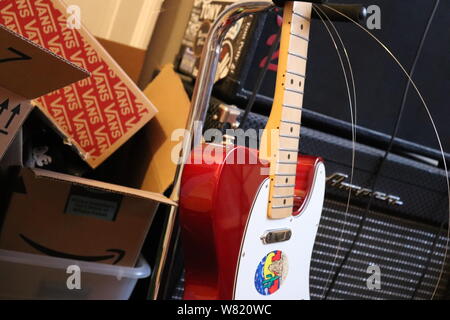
95,115
27,71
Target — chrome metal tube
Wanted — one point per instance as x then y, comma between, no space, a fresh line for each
207,74
199,108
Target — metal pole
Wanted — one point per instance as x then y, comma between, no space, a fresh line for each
199,108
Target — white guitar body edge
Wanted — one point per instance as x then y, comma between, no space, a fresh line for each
298,249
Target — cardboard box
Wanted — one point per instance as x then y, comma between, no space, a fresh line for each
168,94
129,58
76,218
96,115
14,155
13,111
27,71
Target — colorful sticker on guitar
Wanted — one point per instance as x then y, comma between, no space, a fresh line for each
271,272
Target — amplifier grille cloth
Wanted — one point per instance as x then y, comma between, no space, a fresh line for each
401,248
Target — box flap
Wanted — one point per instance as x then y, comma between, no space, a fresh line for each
98,114
14,151
130,59
14,109
76,219
136,193
31,71
168,95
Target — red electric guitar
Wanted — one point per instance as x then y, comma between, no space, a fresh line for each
249,218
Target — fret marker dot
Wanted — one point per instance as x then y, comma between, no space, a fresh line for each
284,201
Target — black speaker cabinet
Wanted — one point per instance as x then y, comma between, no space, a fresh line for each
379,81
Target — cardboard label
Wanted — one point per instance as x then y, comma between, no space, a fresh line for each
13,111
97,114
96,204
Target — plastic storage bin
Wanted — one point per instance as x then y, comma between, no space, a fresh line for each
30,276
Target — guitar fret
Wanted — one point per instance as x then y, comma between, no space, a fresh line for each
297,55
291,122
287,162
292,107
288,150
285,174
295,73
290,137
282,207
284,185
284,197
293,90
299,36
301,16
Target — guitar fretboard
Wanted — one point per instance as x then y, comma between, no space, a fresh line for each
281,136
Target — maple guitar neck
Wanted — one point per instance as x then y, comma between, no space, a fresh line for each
280,140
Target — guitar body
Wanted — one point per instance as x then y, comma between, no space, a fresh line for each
249,218
223,218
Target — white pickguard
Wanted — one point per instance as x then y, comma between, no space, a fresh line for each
298,249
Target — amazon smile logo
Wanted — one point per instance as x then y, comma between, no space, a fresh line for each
115,254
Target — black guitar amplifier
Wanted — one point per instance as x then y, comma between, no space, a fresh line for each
404,233
379,81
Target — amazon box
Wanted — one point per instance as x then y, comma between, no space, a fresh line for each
78,219
27,71
98,114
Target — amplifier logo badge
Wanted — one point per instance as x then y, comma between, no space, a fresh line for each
337,180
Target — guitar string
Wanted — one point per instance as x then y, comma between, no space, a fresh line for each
380,166
383,160
430,117
408,85
428,261
353,110
260,78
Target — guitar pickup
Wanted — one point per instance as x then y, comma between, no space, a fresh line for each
275,236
